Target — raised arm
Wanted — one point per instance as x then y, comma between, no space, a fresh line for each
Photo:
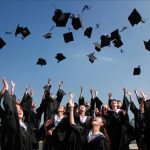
137,96
71,108
12,88
5,86
81,98
133,108
109,99
126,102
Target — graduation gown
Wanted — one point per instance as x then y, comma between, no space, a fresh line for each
117,130
83,128
14,137
140,126
98,143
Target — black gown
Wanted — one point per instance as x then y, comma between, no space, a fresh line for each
99,143
140,126
14,137
117,130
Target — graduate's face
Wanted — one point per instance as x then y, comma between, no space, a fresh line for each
82,108
20,112
97,121
60,109
114,104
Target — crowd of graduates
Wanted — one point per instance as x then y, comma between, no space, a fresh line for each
84,125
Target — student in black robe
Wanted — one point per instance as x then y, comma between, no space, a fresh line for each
49,103
56,120
140,123
116,127
15,133
95,139
31,116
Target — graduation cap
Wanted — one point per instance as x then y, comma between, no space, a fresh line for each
2,43
24,31
147,45
116,38
117,43
105,40
86,7
68,37
97,46
8,32
60,18
134,17
41,61
76,23
137,71
60,57
47,35
115,35
18,30
88,32
92,57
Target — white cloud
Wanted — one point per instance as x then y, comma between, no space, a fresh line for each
108,59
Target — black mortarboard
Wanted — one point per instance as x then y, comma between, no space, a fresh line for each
18,30
76,23
92,57
88,32
41,61
47,35
60,57
105,40
117,43
116,38
97,46
60,18
68,37
147,45
86,7
2,43
137,71
24,31
134,17
115,35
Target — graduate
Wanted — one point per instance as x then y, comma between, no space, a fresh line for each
15,133
56,120
95,139
116,127
140,121
50,103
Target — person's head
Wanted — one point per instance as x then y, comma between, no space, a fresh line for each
82,108
114,104
61,109
87,104
33,105
20,111
98,121
119,104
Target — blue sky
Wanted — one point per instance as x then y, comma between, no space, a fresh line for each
110,72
